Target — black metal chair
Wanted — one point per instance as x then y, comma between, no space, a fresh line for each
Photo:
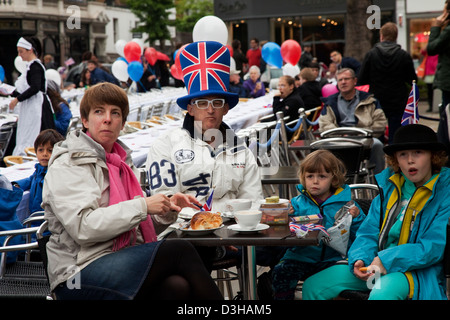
224,276
24,279
349,151
363,194
363,135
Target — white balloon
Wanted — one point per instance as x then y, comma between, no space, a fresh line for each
52,74
120,44
120,70
20,64
210,28
140,42
290,70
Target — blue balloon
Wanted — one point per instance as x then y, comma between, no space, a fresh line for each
271,53
123,59
175,54
2,74
135,70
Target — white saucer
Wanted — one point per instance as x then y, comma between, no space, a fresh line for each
259,227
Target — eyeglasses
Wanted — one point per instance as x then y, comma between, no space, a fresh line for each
204,103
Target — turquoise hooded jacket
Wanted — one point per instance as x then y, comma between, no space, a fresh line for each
303,205
421,252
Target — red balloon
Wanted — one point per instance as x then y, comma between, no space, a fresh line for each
151,55
132,51
177,57
291,51
176,73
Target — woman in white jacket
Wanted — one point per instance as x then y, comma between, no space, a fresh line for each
103,230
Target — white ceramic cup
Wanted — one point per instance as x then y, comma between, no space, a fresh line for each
248,219
233,205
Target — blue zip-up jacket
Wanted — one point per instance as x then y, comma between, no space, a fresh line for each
303,205
63,119
421,256
34,183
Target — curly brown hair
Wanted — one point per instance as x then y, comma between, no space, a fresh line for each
323,160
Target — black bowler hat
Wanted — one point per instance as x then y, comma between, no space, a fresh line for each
414,136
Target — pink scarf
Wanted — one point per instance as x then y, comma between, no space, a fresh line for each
123,185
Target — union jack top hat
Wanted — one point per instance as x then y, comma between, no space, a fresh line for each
206,71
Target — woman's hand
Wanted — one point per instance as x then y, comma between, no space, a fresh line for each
158,204
442,19
13,103
180,200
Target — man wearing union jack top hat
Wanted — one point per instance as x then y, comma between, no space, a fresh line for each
204,155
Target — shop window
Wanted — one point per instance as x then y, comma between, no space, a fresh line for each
240,33
419,31
286,28
323,28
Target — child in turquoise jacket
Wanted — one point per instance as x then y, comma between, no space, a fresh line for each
322,190
402,240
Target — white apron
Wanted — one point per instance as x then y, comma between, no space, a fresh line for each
30,112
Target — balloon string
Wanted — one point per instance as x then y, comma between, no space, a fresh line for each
140,82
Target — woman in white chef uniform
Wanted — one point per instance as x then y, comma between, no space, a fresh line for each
35,111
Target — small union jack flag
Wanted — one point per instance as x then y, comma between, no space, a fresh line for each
411,114
205,67
208,205
69,62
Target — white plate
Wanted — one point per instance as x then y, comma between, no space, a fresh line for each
199,232
259,227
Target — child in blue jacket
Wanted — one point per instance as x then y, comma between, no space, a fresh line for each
43,146
322,190
401,242
60,106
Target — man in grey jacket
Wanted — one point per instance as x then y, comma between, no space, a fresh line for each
353,108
